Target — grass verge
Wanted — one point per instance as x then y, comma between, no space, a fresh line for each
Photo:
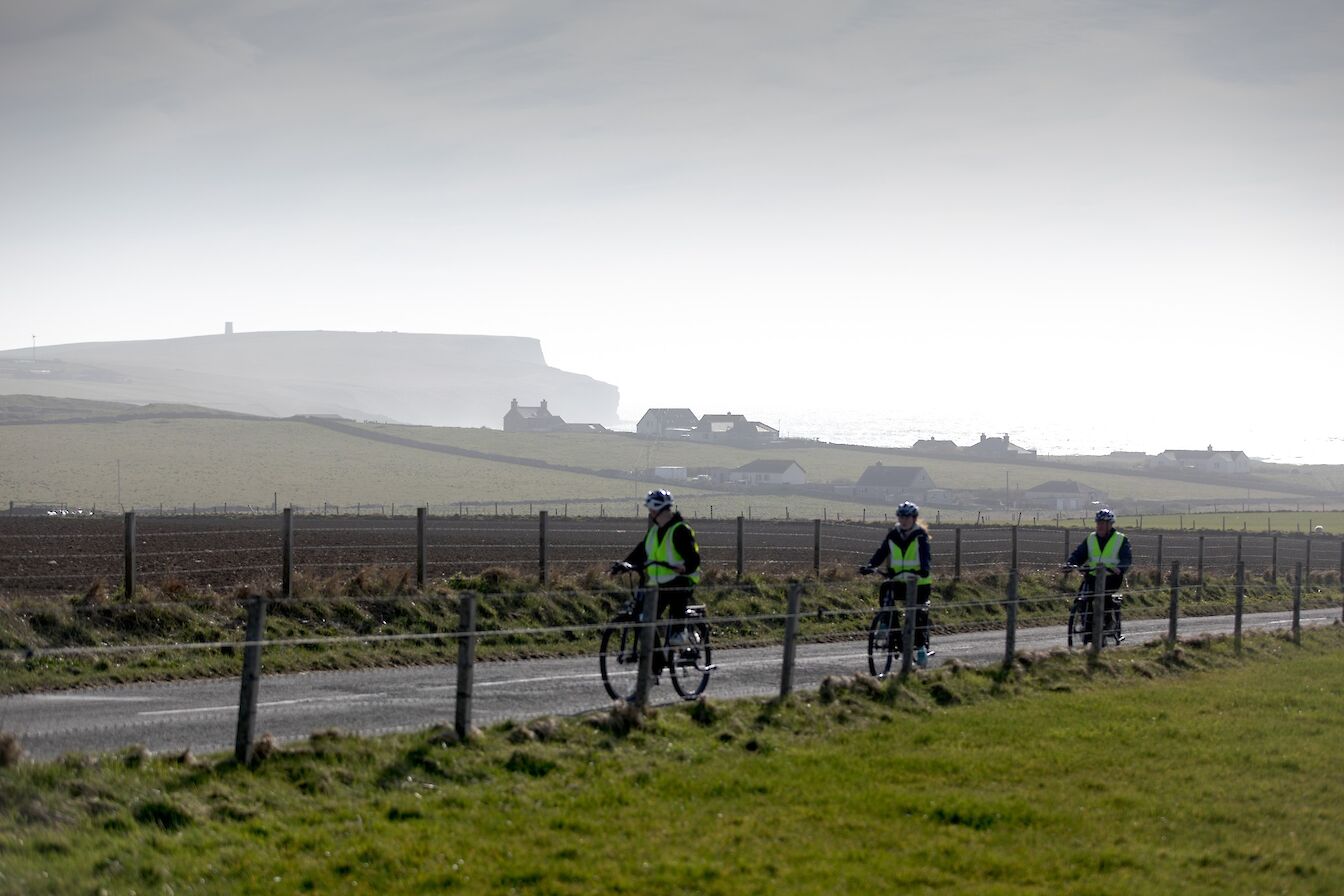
378,618
1198,770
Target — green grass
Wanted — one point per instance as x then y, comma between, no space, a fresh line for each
1195,772
178,462
378,619
1233,520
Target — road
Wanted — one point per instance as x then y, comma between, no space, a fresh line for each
202,715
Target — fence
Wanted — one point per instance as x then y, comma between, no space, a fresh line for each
780,654
58,554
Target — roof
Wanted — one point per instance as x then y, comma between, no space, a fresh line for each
671,416
769,466
1200,453
1061,487
878,474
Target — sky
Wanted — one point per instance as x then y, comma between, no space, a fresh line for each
1122,216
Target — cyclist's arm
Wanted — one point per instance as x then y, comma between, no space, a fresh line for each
1126,557
684,541
638,557
1079,555
925,557
882,554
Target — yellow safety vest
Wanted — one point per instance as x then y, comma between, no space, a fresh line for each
1108,557
665,551
908,561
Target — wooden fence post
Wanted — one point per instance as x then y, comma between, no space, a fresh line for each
541,543
908,630
741,551
1274,560
420,513
1241,599
1199,571
1010,640
128,537
1098,609
466,664
1012,560
244,740
648,618
287,553
790,639
1174,613
1297,605
956,555
816,547
1158,574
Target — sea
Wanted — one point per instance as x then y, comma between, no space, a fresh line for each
1318,443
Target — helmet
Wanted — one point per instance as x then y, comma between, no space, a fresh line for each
907,509
1105,515
658,500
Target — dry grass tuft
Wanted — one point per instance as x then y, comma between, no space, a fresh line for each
11,751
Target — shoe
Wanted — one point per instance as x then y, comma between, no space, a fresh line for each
929,651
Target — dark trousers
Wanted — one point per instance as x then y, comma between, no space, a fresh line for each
893,595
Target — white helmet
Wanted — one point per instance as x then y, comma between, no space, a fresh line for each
658,500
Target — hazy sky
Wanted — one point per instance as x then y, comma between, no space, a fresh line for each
933,207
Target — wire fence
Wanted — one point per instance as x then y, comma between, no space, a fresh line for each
65,555
808,614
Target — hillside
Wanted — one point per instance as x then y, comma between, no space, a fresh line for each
420,378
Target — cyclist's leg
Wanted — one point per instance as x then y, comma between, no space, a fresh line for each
923,594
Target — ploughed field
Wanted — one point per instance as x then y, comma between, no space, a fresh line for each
40,554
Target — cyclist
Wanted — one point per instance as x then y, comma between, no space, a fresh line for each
671,558
905,550
1106,548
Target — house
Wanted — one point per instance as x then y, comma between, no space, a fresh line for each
1061,494
768,472
732,428
531,419
540,419
670,474
992,446
939,446
660,422
893,484
1207,461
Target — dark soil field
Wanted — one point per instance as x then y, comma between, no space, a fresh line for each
40,554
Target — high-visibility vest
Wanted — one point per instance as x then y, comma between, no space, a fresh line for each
1110,556
908,560
665,551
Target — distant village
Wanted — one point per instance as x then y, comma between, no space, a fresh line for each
879,483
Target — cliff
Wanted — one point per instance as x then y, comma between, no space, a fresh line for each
424,378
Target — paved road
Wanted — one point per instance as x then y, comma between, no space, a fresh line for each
202,715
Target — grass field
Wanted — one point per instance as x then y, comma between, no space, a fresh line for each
1196,772
178,463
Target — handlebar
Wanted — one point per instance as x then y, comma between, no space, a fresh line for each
907,577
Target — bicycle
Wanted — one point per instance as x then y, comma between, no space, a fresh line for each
1080,614
884,632
688,664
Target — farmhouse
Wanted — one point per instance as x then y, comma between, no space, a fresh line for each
892,484
732,428
539,419
1206,461
992,446
1061,495
768,472
941,446
662,422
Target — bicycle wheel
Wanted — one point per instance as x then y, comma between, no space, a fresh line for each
618,658
1074,620
883,647
690,665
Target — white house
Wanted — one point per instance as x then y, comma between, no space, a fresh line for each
1206,461
768,472
666,421
890,484
1060,494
